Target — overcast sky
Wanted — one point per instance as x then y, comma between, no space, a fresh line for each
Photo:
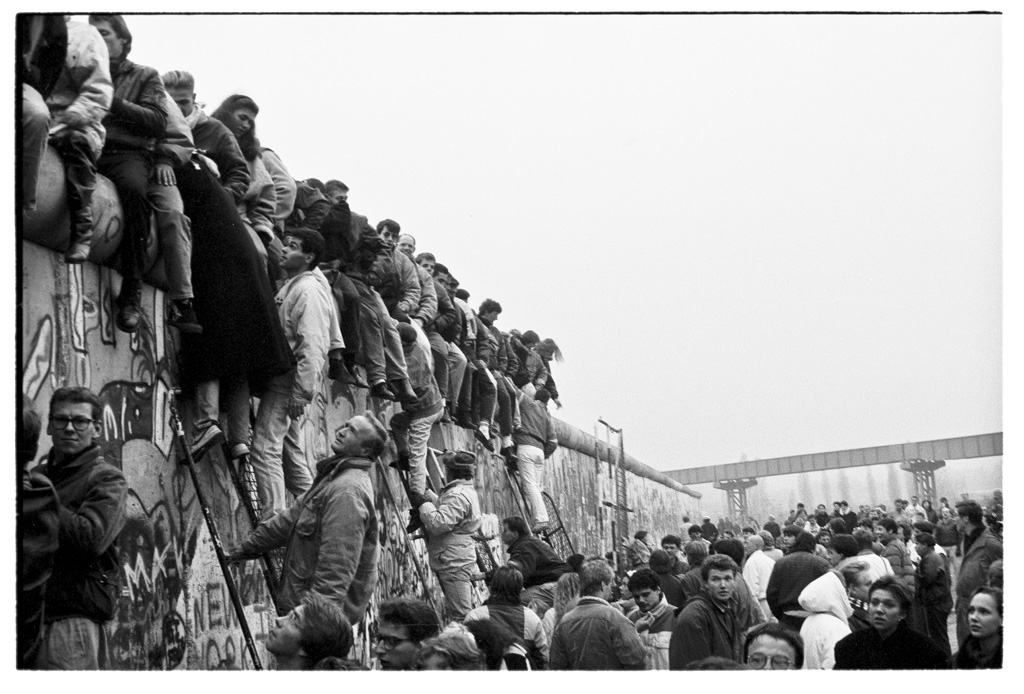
759,235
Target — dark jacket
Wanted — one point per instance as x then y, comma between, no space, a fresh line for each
310,210
445,323
536,561
596,636
933,582
93,497
905,649
214,138
330,537
970,657
773,528
137,113
978,555
38,532
705,628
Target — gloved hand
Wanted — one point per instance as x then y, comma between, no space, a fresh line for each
417,499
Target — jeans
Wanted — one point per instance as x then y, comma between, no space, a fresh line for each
174,232
235,391
278,457
531,472
505,402
74,643
130,172
439,350
80,174
456,373
458,594
35,122
382,347
419,434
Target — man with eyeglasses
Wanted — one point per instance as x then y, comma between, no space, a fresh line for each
402,625
82,592
773,647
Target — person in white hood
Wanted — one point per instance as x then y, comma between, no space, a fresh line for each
825,597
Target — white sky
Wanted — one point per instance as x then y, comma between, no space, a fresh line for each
761,235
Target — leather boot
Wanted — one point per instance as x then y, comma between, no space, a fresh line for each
402,389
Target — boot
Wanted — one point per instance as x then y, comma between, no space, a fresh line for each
381,390
465,420
402,389
77,253
183,316
79,245
129,312
401,463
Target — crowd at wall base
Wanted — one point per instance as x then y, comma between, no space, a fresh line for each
173,610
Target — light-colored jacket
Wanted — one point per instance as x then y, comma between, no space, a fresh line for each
84,87
284,185
655,632
257,205
825,597
877,566
757,571
304,305
450,523
427,310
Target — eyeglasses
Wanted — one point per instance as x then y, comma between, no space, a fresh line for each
759,660
79,423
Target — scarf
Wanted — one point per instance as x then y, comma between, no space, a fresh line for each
196,117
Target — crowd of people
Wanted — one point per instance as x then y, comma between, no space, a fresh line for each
275,283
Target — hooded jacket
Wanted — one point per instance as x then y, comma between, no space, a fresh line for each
825,598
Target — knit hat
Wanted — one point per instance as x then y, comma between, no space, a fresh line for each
460,461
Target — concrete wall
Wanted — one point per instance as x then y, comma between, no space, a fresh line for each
174,611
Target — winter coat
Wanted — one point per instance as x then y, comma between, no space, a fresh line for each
895,552
825,598
947,534
399,284
446,319
596,636
84,88
970,657
978,556
655,631
450,523
705,628
306,309
242,332
421,378
330,537
905,649
138,112
93,497
214,138
933,582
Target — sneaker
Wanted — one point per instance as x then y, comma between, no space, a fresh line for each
129,312
183,316
204,438
239,450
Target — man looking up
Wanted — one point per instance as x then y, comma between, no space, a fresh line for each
310,632
708,625
403,624
82,592
330,534
305,306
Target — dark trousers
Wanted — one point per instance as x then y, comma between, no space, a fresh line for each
80,173
504,406
483,397
439,349
129,171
